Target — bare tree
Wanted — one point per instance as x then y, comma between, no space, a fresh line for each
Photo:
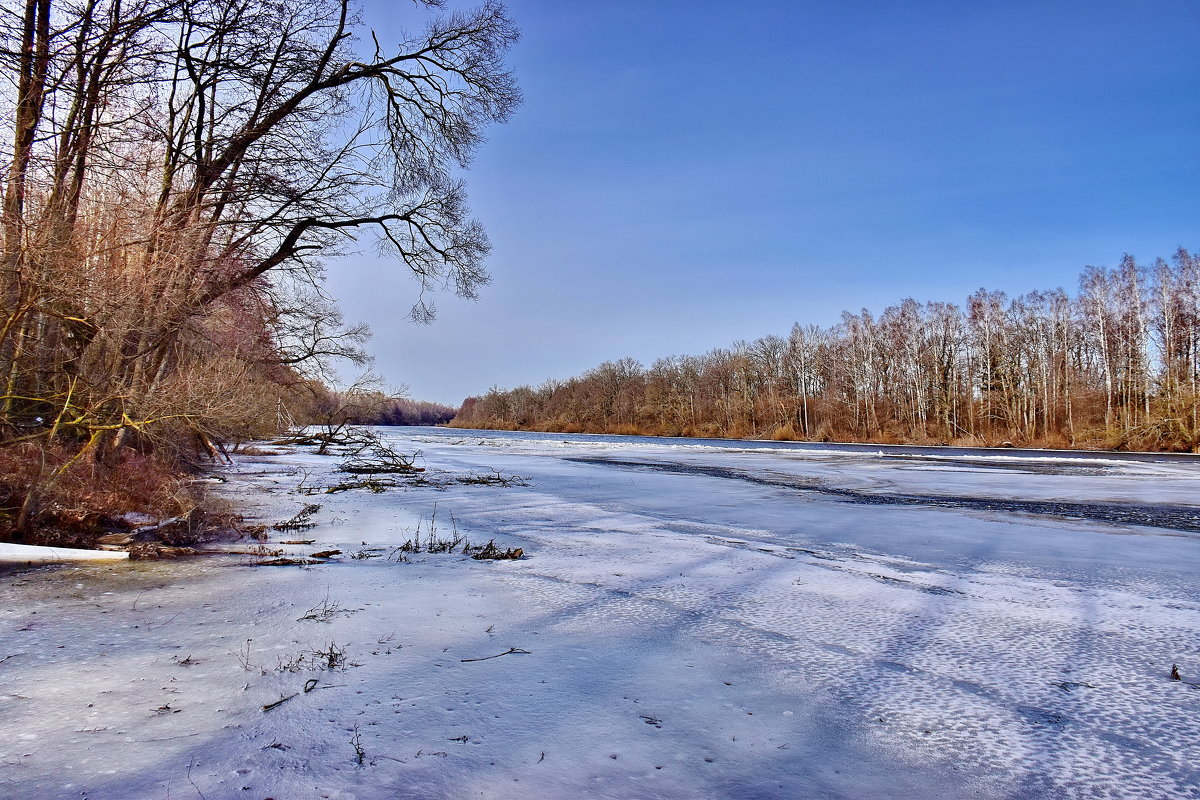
176,172
170,156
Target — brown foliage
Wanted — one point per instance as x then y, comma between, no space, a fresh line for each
77,499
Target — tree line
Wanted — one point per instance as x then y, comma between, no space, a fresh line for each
1116,365
175,172
369,407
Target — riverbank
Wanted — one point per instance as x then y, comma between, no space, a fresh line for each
1094,444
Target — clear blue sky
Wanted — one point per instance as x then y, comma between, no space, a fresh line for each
686,174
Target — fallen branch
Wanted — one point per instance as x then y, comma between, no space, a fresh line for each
262,553
302,520
507,652
279,702
371,485
379,458
492,480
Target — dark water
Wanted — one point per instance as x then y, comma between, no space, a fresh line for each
1155,515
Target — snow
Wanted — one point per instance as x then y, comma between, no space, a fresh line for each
29,554
688,634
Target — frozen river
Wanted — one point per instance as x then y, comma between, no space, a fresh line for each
691,619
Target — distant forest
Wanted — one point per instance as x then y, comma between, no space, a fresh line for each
372,408
1115,366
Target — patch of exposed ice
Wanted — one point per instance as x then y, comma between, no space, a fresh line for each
35,554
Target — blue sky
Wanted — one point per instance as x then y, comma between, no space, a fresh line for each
686,174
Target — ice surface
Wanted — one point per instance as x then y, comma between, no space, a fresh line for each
692,631
31,554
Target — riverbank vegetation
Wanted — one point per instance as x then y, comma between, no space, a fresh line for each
175,173
1115,366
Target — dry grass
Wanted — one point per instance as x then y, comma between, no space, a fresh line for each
77,499
626,429
784,433
967,441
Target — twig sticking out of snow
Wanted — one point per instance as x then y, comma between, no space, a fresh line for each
193,783
507,652
325,611
279,702
356,743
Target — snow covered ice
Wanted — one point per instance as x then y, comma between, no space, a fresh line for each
698,620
